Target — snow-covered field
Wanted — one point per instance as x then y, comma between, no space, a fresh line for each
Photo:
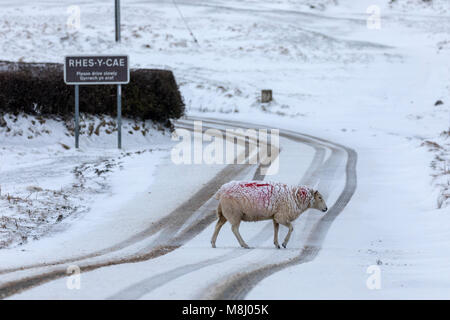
382,92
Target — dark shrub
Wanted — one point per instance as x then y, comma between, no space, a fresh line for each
39,88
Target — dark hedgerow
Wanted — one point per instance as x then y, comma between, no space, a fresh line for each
39,88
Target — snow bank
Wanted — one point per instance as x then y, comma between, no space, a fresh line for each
45,182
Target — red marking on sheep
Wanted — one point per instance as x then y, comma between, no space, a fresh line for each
262,194
259,193
303,193
254,184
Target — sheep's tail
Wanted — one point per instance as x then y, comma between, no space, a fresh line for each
219,206
218,193
223,188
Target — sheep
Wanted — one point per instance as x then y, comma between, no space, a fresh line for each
257,201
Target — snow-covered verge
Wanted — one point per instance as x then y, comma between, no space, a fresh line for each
45,183
440,165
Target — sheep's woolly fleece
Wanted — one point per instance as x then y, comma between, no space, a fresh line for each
265,195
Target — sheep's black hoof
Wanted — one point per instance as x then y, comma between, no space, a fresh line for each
284,245
277,246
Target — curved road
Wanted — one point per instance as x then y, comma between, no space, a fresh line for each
178,228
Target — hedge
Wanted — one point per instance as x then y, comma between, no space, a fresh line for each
39,88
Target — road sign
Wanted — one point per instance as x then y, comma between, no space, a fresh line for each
91,70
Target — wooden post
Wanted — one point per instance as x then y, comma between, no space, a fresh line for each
266,96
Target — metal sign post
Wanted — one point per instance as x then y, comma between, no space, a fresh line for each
117,11
95,70
119,116
77,116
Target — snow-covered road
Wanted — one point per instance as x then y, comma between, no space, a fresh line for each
329,166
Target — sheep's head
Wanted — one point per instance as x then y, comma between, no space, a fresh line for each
319,202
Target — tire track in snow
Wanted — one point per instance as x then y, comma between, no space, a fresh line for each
206,213
313,173
177,217
199,226
237,286
200,196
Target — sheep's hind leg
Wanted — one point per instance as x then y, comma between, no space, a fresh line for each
276,226
235,229
291,228
220,223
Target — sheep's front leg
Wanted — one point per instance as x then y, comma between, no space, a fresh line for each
291,228
276,226
235,229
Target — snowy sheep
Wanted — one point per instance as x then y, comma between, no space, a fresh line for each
256,201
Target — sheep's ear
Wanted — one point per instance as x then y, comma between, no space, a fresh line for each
316,192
